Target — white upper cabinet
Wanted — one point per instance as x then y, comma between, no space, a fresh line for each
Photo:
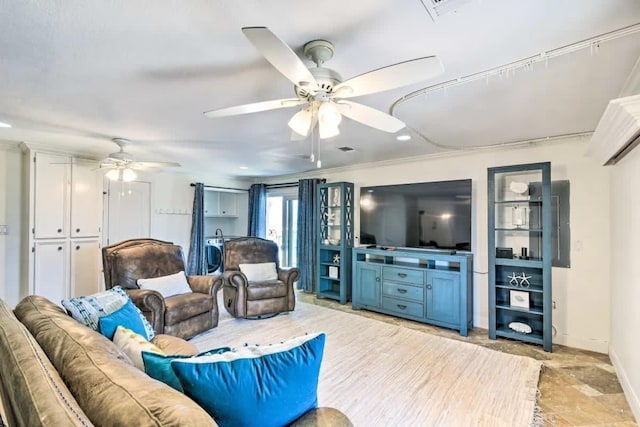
67,200
86,212
220,203
51,204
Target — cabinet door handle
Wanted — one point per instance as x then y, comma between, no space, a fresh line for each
402,291
78,248
403,275
428,285
378,279
59,230
77,230
59,248
401,306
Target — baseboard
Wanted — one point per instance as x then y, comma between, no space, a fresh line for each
584,344
629,392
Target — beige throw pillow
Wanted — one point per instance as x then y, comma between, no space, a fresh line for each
133,345
168,286
260,272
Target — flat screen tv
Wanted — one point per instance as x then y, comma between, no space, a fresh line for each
430,215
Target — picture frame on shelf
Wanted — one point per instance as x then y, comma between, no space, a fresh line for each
333,272
520,299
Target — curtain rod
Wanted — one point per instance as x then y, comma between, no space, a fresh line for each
283,185
221,188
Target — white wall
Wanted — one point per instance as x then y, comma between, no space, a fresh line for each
625,275
582,291
10,215
172,204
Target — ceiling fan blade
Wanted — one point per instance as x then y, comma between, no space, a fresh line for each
255,107
391,77
370,116
280,55
142,165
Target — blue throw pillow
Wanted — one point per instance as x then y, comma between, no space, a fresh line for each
158,366
270,385
126,316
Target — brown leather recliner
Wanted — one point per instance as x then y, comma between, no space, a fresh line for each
184,315
246,299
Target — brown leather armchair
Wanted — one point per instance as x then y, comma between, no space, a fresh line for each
183,315
246,299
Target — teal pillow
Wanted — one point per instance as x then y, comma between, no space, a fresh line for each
126,316
158,366
269,385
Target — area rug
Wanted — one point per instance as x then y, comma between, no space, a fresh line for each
386,375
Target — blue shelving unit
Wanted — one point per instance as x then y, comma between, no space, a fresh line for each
335,241
520,220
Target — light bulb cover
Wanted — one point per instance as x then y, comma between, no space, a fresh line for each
128,175
327,131
300,123
329,115
113,174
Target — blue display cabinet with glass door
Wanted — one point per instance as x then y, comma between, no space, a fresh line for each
335,240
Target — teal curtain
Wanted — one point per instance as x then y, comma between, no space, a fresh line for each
307,234
257,211
197,261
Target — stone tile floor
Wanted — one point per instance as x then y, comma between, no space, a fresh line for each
577,387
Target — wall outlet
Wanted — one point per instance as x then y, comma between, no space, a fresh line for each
4,230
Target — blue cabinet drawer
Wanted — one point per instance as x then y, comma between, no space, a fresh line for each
402,306
404,275
398,290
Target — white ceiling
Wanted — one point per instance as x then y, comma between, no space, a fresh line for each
74,74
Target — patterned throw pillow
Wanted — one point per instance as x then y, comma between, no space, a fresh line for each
88,309
133,345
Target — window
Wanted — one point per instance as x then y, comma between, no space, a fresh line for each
282,223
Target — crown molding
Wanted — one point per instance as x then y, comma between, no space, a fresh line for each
618,131
9,146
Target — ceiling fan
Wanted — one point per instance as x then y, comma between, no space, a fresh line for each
321,91
122,165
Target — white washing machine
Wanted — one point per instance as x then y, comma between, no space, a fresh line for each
215,255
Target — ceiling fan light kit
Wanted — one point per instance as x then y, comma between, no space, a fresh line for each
121,165
121,174
322,89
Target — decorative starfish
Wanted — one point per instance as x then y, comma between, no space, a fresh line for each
514,279
524,279
336,259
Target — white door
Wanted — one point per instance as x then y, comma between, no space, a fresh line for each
86,200
129,211
85,267
50,270
51,190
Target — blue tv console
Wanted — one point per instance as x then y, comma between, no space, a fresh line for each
434,287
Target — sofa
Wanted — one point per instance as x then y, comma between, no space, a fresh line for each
55,371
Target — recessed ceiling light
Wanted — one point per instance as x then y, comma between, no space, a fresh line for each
244,167
4,125
403,137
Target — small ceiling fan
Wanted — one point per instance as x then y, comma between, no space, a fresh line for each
321,91
122,165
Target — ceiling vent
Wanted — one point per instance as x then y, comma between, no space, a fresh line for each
437,8
346,149
618,131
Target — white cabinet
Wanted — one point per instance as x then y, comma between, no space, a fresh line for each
65,217
86,206
50,199
220,204
51,269
85,267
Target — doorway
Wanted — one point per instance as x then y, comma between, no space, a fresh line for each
128,211
282,223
